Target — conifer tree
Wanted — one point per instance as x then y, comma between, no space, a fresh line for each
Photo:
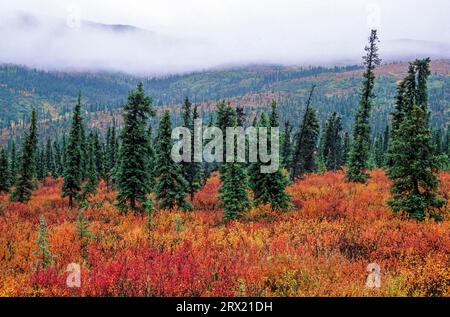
99,156
331,145
112,148
303,160
151,156
5,178
73,165
412,159
286,145
359,153
41,165
50,159
269,188
27,169
133,177
378,152
13,163
171,186
192,171
45,257
233,192
90,188
58,158
346,148
83,234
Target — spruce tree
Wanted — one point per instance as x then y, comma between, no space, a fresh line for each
171,186
192,171
13,163
73,165
45,257
412,159
233,192
359,153
286,145
5,175
269,188
50,159
346,148
303,159
27,166
90,188
133,177
331,145
112,148
378,151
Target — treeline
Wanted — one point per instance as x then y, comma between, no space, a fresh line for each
139,167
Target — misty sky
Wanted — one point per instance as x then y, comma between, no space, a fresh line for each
197,34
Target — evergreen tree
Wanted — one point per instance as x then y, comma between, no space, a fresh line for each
303,160
386,137
151,156
361,134
83,234
99,156
412,159
133,177
269,188
171,186
73,165
378,152
41,165
286,145
58,158
50,159
346,148
112,148
13,163
45,257
27,169
192,171
233,192
90,188
414,164
331,145
5,176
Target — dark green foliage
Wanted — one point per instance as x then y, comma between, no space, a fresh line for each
50,159
346,148
412,157
45,257
27,168
111,153
192,171
13,163
90,188
58,158
269,188
171,186
331,143
414,164
378,151
5,175
286,145
359,153
73,165
233,192
133,177
41,165
303,159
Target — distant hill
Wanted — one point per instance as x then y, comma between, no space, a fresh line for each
254,86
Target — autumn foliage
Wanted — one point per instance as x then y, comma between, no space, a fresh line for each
319,248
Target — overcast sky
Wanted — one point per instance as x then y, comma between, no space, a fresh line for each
197,34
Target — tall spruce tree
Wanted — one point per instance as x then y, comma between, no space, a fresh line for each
133,177
378,151
234,190
359,153
90,188
286,145
5,175
269,188
171,186
412,159
13,163
331,146
43,253
27,166
112,148
73,165
303,159
50,159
